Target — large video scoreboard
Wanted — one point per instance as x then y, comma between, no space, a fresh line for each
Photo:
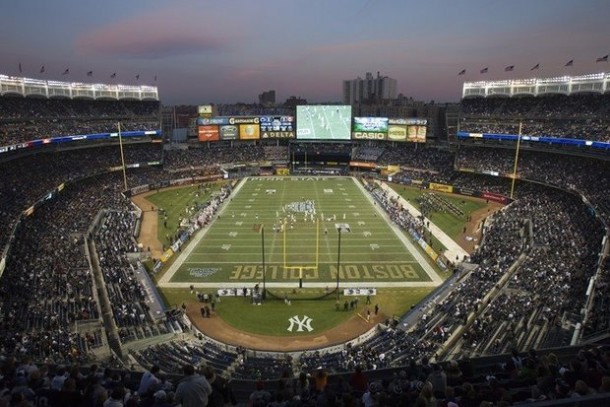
331,122
324,122
245,128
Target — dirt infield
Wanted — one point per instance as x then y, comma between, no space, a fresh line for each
216,328
149,228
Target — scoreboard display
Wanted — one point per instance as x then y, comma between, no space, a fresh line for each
277,127
324,122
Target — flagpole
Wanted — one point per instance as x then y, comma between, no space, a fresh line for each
122,156
512,186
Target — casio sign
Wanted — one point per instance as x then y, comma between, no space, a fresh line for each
360,135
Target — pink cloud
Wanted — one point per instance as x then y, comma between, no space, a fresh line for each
359,46
152,35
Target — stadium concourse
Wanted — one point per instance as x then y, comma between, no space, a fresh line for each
526,324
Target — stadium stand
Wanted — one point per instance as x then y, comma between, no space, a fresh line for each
539,276
25,119
583,116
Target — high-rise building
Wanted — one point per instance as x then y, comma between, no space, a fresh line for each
371,89
267,98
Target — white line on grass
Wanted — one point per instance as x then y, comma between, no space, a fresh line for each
173,269
414,252
306,284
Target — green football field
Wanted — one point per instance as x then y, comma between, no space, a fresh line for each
297,219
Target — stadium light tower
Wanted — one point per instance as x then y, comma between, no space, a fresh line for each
341,227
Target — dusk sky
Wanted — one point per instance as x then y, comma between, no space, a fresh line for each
225,51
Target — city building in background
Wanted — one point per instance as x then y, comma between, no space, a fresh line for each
370,90
267,98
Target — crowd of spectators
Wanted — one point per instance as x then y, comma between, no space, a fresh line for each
583,116
589,176
28,179
419,162
368,152
546,291
599,312
213,156
50,286
26,119
114,239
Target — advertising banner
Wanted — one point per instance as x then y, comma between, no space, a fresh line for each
441,187
416,134
397,132
495,197
277,127
362,164
202,121
368,135
229,132
360,291
167,255
208,133
249,132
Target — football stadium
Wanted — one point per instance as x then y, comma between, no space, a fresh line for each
305,254
257,258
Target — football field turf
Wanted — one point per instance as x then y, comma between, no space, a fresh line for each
299,218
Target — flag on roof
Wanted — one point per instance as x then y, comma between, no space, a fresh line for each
462,72
484,70
66,72
602,59
509,68
569,63
535,67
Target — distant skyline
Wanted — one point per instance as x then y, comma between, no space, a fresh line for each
211,51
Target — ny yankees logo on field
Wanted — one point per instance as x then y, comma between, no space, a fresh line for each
302,324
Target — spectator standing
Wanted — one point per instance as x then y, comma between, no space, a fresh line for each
321,380
221,390
438,379
193,390
259,397
359,381
149,381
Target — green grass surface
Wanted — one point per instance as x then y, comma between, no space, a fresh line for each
174,201
452,225
272,317
231,249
